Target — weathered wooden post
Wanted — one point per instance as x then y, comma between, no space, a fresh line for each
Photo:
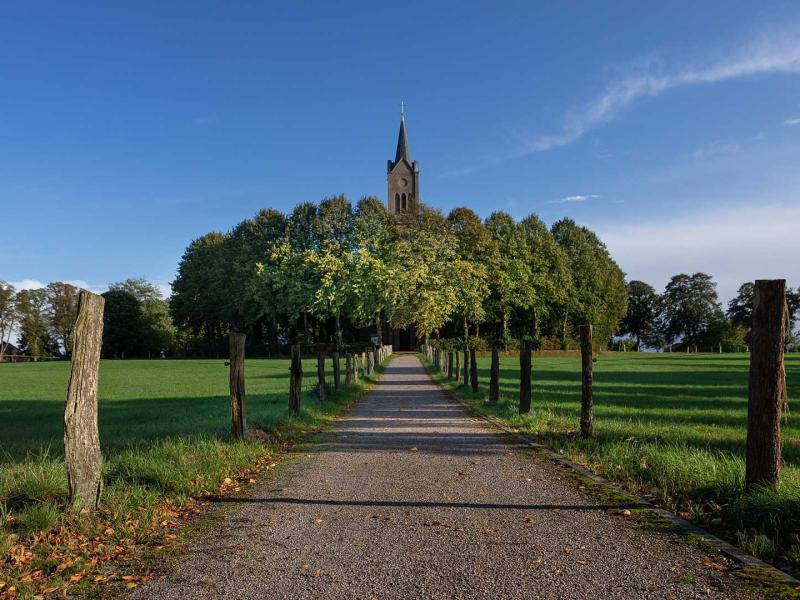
586,388
494,376
348,371
81,435
370,362
525,377
377,355
355,367
767,390
458,364
238,423
323,394
449,364
473,370
465,380
336,372
295,380
364,364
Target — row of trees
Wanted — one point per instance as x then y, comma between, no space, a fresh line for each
689,311
324,273
136,322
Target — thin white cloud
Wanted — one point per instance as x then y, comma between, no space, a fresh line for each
35,284
717,148
458,172
792,122
575,198
772,54
735,244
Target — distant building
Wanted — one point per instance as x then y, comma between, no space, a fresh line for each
9,352
402,175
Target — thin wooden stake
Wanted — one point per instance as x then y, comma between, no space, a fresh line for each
238,423
586,387
323,393
295,380
494,376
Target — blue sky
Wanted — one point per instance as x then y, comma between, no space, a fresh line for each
128,129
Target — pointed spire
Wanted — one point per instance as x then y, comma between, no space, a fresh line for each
402,140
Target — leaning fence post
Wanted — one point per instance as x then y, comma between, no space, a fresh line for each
237,384
336,372
767,389
586,388
81,435
494,376
323,396
295,380
473,370
348,370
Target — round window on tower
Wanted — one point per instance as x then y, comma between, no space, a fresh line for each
404,182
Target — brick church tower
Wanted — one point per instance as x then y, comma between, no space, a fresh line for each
402,175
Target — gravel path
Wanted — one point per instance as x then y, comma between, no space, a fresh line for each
409,497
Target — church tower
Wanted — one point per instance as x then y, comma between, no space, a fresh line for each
402,175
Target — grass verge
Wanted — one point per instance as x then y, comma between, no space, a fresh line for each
155,472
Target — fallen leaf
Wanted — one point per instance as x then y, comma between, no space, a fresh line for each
227,481
131,584
304,567
626,512
530,520
318,520
414,449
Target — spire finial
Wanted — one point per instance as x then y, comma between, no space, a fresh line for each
402,112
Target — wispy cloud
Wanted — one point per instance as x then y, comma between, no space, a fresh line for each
771,54
457,172
575,198
717,148
792,122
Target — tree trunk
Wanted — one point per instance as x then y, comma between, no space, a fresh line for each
348,370
238,423
586,388
473,370
494,376
525,378
458,365
81,435
323,394
767,390
295,380
336,372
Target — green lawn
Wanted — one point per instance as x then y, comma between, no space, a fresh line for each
673,425
164,431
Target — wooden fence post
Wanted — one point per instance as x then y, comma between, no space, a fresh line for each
494,376
465,381
586,387
458,364
449,364
355,367
295,380
238,423
370,362
525,377
473,370
348,371
336,372
767,389
81,435
323,394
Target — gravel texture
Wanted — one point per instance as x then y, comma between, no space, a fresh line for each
408,497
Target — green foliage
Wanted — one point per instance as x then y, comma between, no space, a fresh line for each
690,307
643,307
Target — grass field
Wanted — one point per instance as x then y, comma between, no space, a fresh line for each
670,425
164,431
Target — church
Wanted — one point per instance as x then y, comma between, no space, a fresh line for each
402,176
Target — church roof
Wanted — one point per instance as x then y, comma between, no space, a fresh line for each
402,143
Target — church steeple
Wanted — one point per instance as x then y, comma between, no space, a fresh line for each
402,140
402,175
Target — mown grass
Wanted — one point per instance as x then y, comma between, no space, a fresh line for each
164,431
672,426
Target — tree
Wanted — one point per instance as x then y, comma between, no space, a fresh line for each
740,308
690,306
122,324
8,315
643,306
598,295
63,311
154,330
34,324
473,249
